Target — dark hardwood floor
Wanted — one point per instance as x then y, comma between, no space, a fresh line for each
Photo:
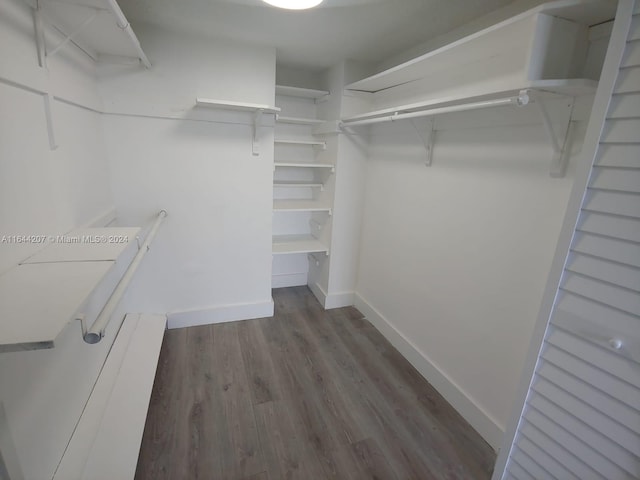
308,394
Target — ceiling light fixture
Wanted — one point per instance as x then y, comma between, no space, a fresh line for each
294,4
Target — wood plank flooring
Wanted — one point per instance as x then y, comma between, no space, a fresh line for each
308,394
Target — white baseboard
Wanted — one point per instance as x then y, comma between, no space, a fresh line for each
319,292
339,300
332,300
288,280
220,314
482,422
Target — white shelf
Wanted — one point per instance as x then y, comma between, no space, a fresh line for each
39,297
108,36
469,49
300,92
38,300
296,184
304,165
569,87
237,106
298,120
299,206
310,143
289,244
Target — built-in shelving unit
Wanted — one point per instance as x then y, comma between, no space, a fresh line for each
40,296
302,203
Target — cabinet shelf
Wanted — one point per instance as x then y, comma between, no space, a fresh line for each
39,297
492,39
299,206
298,120
290,244
237,106
300,92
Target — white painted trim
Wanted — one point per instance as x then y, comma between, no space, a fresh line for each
220,314
319,292
339,300
613,59
289,280
480,420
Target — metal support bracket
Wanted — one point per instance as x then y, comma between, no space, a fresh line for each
83,324
70,36
255,145
427,140
561,140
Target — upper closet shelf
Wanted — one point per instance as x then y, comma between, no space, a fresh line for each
237,106
536,88
39,297
501,39
97,27
300,92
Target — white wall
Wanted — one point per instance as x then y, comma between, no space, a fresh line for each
46,192
454,257
213,259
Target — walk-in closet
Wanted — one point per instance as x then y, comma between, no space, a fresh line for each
319,239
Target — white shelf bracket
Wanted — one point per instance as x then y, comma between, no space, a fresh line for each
40,40
71,36
255,145
427,140
83,324
48,113
561,140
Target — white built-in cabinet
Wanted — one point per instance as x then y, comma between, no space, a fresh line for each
302,188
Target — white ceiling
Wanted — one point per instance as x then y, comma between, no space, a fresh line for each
362,30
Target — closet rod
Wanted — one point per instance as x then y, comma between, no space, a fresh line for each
519,100
96,332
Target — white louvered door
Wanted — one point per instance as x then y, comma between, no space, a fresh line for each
581,417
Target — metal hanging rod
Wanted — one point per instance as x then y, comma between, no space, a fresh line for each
96,332
519,100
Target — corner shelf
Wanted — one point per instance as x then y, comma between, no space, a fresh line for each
289,244
237,106
297,184
304,165
43,294
492,39
311,143
298,120
300,92
299,206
